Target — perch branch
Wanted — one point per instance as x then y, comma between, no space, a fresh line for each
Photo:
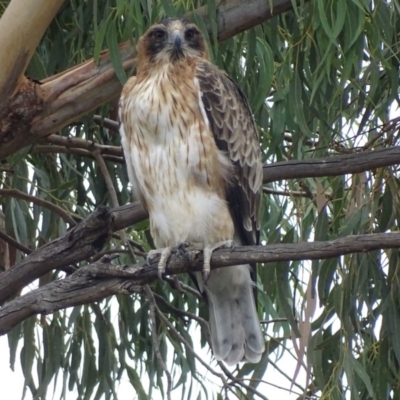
102,279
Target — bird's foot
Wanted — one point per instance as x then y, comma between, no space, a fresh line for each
207,253
165,254
189,249
182,248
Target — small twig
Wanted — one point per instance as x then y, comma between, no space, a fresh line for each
277,386
39,202
108,123
107,177
284,192
271,321
113,196
154,338
284,374
390,125
139,247
14,243
84,144
235,381
181,313
75,150
308,192
108,252
188,347
115,251
140,252
183,287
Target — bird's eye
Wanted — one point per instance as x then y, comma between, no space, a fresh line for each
159,34
190,34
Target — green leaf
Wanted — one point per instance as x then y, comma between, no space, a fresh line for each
14,337
284,295
112,43
297,104
100,37
136,383
362,373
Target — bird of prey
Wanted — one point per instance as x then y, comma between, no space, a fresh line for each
194,161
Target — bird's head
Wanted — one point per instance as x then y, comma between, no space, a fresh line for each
171,40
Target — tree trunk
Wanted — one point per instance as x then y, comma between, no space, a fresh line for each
21,27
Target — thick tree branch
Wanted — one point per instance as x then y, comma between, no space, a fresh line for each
332,166
102,279
237,16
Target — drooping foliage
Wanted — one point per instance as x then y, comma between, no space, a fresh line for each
322,80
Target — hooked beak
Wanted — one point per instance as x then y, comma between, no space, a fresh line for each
177,40
177,52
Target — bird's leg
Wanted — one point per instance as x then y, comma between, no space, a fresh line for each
207,253
165,253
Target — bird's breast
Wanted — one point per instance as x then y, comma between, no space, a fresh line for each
165,107
179,170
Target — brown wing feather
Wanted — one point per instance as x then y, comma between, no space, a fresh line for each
235,132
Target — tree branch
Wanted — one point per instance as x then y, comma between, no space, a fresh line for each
113,197
332,166
102,279
236,16
40,202
82,241
352,163
74,150
13,242
108,123
285,192
84,144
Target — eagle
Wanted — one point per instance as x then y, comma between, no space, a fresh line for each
194,161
